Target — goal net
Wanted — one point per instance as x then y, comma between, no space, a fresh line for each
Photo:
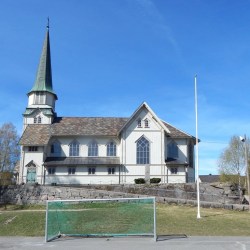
101,217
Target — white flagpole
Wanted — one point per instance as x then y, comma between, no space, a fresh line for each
197,150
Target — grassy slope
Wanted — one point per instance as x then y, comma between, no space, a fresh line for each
213,222
170,220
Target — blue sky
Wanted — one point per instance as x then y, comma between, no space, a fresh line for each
108,56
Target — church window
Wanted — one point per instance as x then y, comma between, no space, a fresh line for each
51,170
71,170
74,149
173,150
191,155
55,148
111,149
38,119
33,148
142,151
111,170
91,170
146,123
139,123
174,170
93,149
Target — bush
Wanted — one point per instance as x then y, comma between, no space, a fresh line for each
6,178
155,180
139,181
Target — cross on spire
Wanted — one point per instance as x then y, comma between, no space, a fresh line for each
48,23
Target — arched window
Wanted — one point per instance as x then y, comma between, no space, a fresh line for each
55,148
74,149
146,123
39,119
93,149
139,123
173,150
142,151
111,149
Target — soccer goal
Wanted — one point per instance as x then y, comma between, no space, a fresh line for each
101,218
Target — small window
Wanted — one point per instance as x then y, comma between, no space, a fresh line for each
174,170
33,148
111,170
35,120
71,170
111,149
139,123
39,119
51,170
146,123
91,170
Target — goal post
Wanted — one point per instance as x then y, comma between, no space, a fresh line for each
101,218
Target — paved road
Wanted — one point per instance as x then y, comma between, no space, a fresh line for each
166,243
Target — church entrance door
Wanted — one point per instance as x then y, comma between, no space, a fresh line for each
31,175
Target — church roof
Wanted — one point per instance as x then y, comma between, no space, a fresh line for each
43,81
172,162
209,178
35,135
40,134
74,161
175,132
45,111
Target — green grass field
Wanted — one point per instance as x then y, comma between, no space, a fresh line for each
171,219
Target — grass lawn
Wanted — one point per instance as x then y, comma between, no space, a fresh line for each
214,222
171,219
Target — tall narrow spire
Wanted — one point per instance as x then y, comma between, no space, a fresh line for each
48,23
43,81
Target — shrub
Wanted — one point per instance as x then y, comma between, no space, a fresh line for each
6,178
139,181
155,180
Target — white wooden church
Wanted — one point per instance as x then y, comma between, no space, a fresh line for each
99,150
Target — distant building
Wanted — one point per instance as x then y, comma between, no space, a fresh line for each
209,178
98,150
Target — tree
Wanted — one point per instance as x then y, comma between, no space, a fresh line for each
231,163
9,148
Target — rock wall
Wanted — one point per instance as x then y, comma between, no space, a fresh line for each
215,195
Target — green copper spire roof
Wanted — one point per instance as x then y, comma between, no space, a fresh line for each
43,80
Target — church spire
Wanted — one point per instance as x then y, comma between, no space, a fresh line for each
43,81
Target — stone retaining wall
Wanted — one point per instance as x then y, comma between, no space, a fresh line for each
215,196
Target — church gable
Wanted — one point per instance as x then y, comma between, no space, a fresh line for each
144,119
38,116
